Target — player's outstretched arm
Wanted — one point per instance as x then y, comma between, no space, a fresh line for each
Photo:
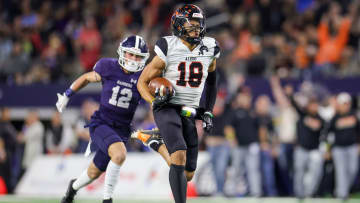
152,70
79,83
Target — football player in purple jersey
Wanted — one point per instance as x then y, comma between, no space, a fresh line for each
110,125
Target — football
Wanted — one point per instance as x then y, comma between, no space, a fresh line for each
162,84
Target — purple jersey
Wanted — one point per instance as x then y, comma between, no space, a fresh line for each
119,95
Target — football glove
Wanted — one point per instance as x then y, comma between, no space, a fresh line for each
61,102
159,101
207,121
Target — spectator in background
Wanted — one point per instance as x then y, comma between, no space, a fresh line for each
32,136
59,137
4,166
345,151
148,123
89,44
7,149
6,46
217,145
308,160
266,136
38,74
241,124
17,63
52,55
333,34
88,107
286,127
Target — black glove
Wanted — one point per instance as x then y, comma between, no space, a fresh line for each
207,121
160,101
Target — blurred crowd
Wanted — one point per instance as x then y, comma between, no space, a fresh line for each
289,142
55,41
286,143
299,143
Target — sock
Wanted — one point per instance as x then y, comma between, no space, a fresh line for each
178,183
111,178
82,181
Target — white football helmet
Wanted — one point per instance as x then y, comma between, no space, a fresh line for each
135,45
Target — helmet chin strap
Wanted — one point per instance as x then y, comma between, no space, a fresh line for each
191,40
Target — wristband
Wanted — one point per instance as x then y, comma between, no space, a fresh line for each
69,92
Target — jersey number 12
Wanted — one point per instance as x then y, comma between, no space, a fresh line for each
124,99
195,73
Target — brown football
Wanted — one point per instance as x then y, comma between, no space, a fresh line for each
157,83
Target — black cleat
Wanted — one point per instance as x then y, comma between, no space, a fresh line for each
151,138
107,200
70,193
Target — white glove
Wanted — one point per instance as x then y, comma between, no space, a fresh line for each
61,102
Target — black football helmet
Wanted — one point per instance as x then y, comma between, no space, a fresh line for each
185,14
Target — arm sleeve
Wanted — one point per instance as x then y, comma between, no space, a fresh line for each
161,49
210,90
296,106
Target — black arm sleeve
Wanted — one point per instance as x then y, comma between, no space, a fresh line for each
210,90
296,106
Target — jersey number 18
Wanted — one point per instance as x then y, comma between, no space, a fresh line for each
195,73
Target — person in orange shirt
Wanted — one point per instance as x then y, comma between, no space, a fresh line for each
331,46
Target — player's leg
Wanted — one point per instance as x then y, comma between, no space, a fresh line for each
191,140
177,178
165,154
87,177
169,122
110,144
153,139
117,153
95,169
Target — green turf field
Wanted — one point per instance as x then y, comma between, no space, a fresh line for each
15,199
